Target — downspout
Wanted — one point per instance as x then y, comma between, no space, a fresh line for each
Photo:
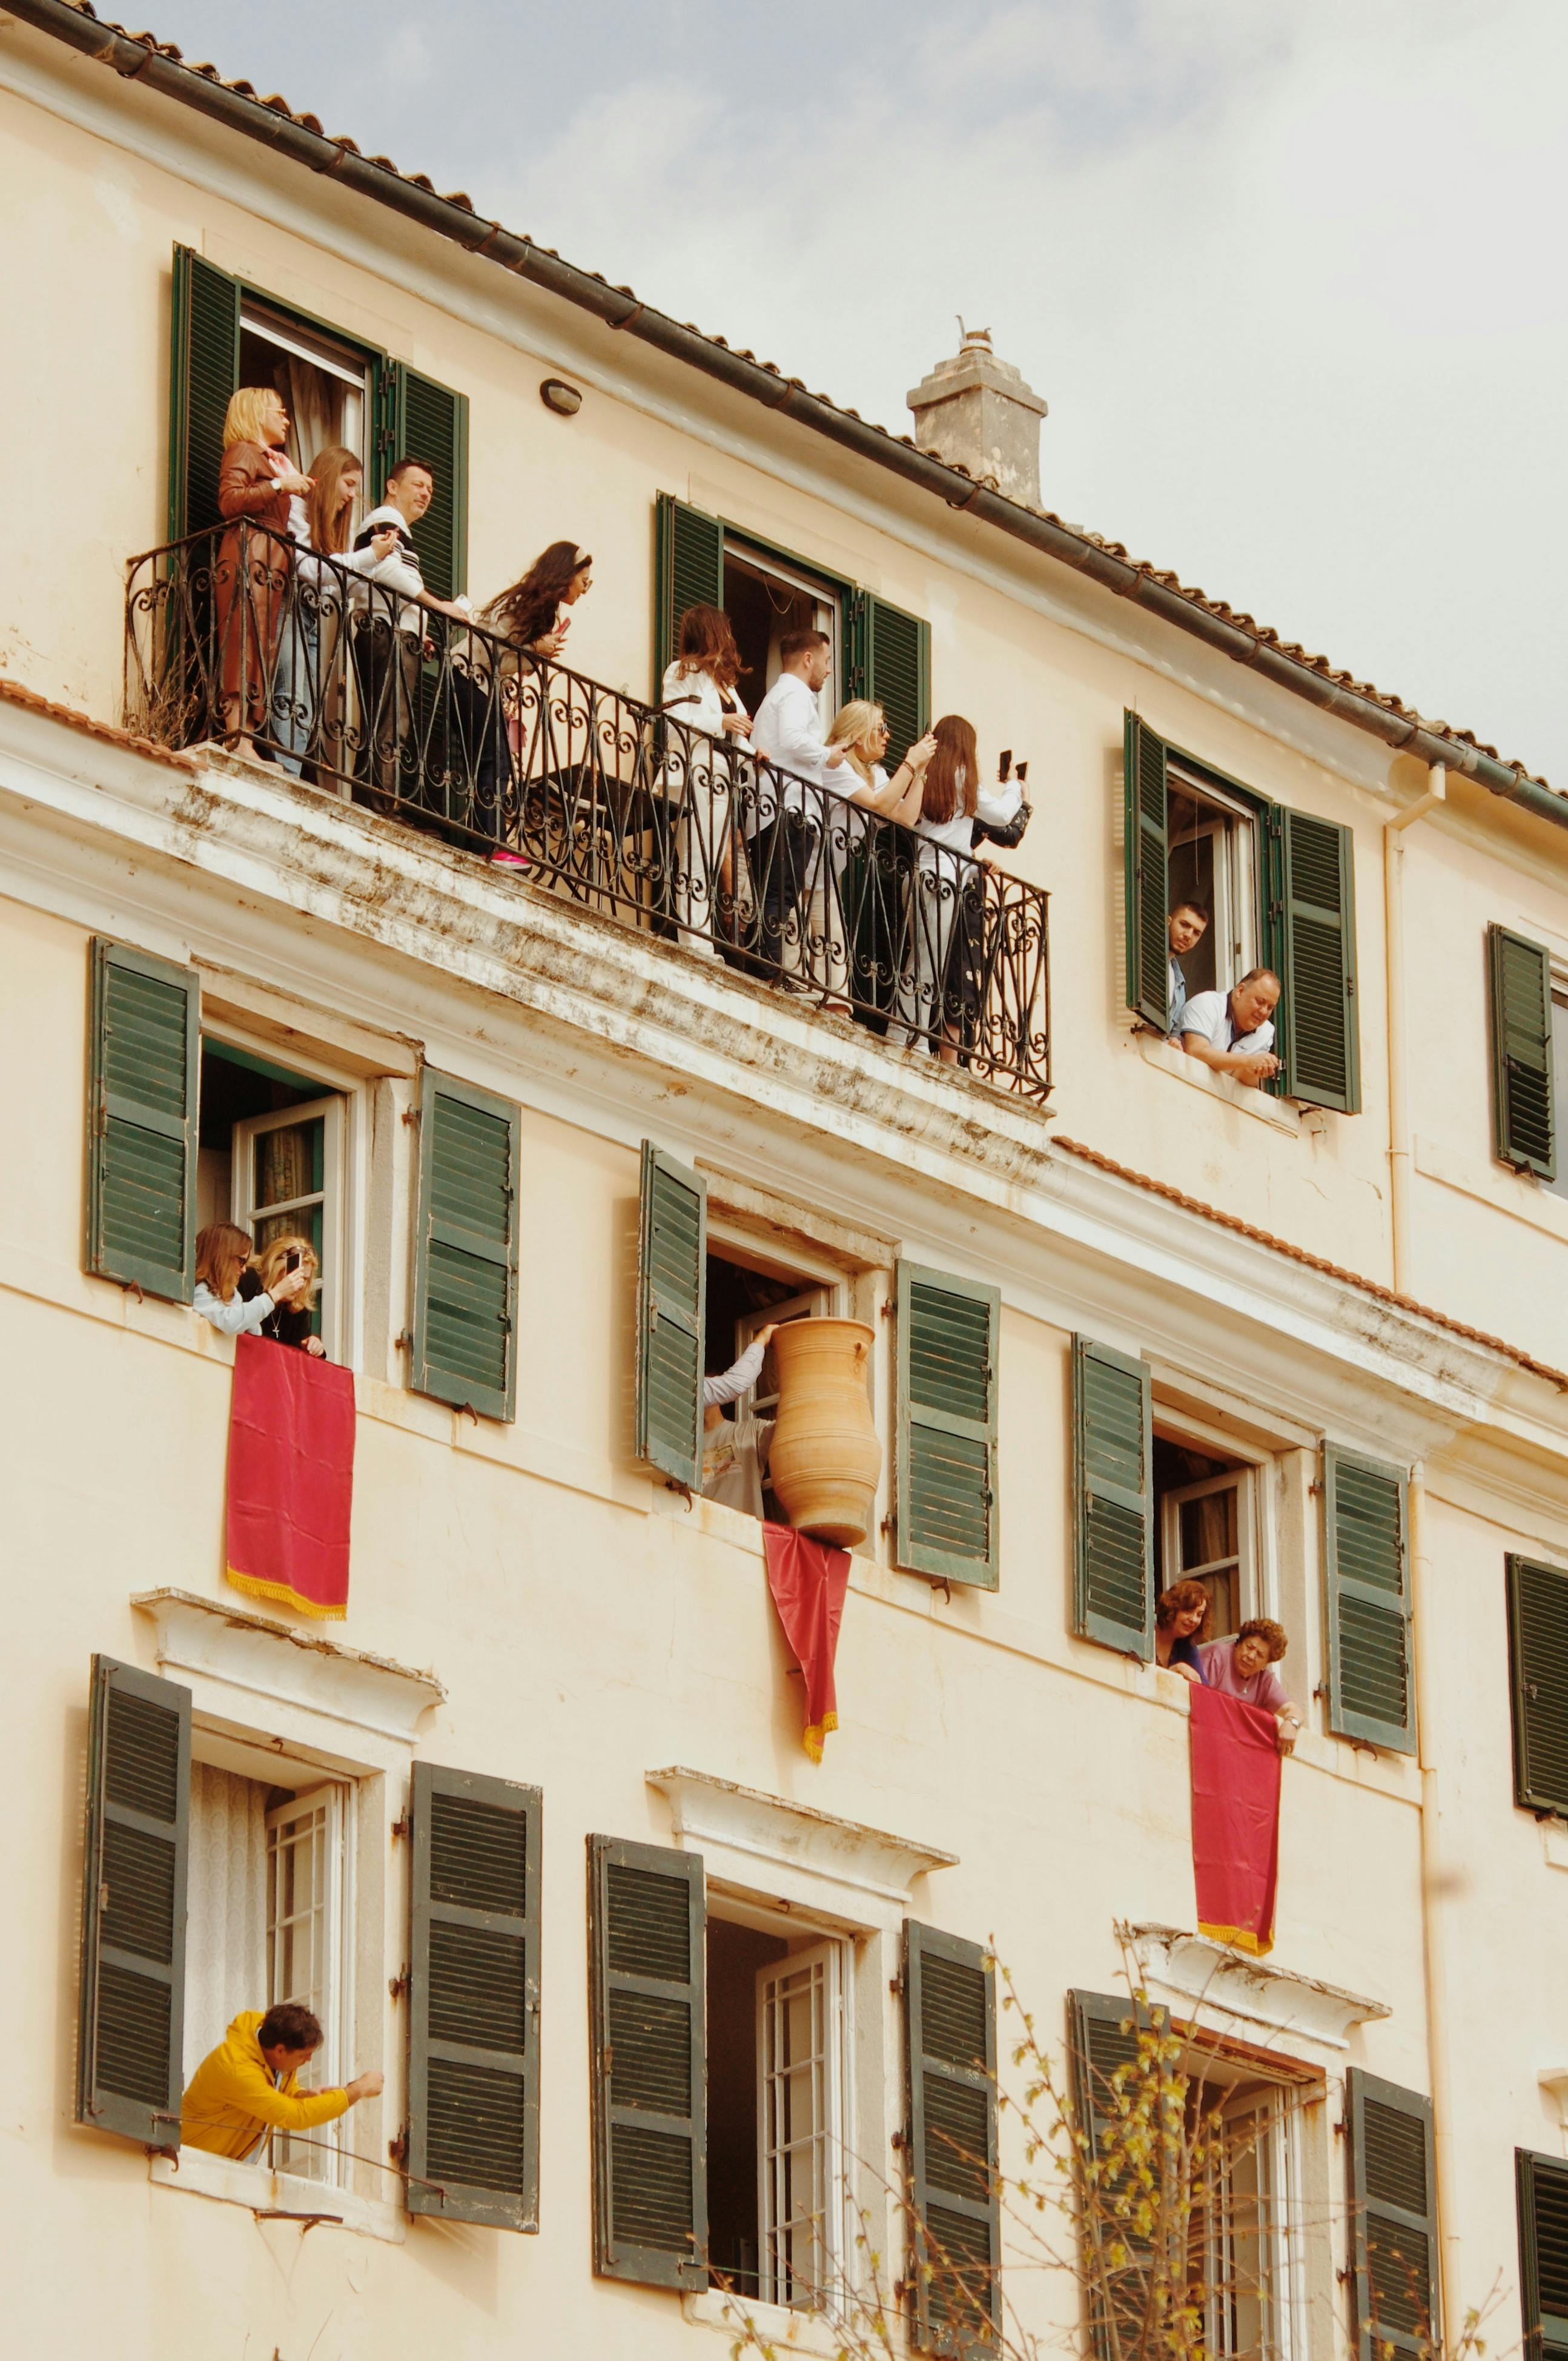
1398,1080
1434,1884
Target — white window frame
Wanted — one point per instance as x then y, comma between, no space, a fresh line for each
331,359
329,1197
1233,922
331,1998
827,611
829,2076
1281,2264
1180,1426
811,1303
1241,1479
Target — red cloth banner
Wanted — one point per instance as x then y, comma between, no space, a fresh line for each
1236,1819
808,1581
290,1476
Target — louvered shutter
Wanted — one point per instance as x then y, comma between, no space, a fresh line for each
1393,2218
1317,1031
1542,2190
1103,2038
671,1311
1538,1657
143,1097
1146,853
417,419
890,661
1366,1557
647,1934
203,374
945,1477
1112,1498
466,1248
688,571
1524,1113
950,2017
473,2139
133,1905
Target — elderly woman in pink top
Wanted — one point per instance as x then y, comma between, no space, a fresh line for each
1243,1667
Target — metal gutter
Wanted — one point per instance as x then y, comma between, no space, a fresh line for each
254,118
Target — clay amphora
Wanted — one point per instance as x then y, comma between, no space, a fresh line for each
825,1458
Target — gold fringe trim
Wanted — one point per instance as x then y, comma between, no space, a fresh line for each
280,1590
1240,1939
815,1732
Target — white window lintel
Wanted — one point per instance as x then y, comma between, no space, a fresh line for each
843,1869
1184,1967
243,1650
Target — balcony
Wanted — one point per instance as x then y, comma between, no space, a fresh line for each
612,803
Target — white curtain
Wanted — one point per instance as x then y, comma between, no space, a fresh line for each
225,1948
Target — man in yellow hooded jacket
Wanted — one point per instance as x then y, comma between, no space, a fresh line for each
248,2085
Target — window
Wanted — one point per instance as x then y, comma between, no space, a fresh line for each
1367,1580
1395,2280
745,1293
1538,1664
1247,2224
1281,886
270,1921
1207,1530
1543,2194
1526,1048
272,1161
325,384
1558,1185
777,2081
879,651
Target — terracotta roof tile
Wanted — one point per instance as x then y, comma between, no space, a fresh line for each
13,693
1198,599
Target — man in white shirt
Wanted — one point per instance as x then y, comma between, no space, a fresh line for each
1185,928
1233,1031
785,823
390,637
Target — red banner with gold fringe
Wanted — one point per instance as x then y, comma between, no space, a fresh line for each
1236,1819
808,1580
291,1478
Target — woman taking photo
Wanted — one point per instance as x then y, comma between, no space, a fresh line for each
287,1270
938,993
532,745
250,580
307,686
698,778
866,866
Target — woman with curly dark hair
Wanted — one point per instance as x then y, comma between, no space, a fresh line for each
699,773
1181,1617
532,618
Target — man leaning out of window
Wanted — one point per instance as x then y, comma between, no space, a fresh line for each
248,2085
1233,1031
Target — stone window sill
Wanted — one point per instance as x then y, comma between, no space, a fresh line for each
1279,1113
781,2329
201,2174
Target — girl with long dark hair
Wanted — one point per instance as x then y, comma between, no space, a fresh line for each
699,775
533,618
938,993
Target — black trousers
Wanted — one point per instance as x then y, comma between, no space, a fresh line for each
784,856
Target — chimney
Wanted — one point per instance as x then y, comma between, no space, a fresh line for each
977,409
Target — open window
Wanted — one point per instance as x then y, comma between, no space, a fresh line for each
271,1161
1212,861
765,598
1206,1528
325,383
777,2080
1246,2222
748,1291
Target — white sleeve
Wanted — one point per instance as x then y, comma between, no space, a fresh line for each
1201,1014
799,741
1246,1043
716,1391
997,806
237,1317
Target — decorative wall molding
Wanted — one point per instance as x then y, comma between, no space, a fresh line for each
1182,1967
214,1641
772,1845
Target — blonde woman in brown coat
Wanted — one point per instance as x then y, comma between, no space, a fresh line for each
252,576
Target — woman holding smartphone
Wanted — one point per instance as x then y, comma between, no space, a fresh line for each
281,1260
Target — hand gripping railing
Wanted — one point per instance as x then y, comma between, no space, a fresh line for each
237,635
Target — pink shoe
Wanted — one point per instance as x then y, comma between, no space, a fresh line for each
502,859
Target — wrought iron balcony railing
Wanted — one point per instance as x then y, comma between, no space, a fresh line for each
236,634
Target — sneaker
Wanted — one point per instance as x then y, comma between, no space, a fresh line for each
503,859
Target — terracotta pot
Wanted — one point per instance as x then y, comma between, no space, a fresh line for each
825,1457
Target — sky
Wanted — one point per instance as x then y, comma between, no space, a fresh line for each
1290,279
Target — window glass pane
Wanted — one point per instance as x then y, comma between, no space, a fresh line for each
1208,1529
290,1162
303,1874
795,2068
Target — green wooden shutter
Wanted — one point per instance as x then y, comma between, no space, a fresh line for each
647,1929
1524,1113
1317,1030
1101,2037
465,1313
1367,1561
1112,1498
203,374
1146,855
417,419
671,1311
473,2139
128,2077
1393,2218
1537,1658
144,1094
949,2017
945,1477
1543,2189
890,661
688,571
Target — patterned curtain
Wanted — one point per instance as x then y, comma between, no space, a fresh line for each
225,1953
283,1164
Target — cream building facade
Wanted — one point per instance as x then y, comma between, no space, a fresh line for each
1312,1344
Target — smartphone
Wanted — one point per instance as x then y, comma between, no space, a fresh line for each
1004,766
291,1259
1023,773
